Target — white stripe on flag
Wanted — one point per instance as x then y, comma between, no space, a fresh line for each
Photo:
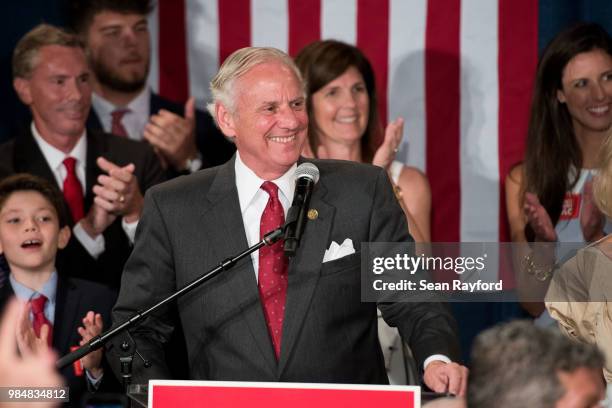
153,21
270,24
406,88
202,26
479,122
339,20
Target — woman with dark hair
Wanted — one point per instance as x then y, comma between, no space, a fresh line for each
549,195
344,123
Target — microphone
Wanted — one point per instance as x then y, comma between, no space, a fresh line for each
307,175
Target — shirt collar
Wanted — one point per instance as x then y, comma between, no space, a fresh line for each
49,289
139,106
54,156
249,184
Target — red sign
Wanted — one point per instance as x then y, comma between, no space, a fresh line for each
229,394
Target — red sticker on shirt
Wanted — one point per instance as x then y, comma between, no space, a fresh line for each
571,207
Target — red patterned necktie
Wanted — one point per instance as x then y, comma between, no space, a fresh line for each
73,190
272,278
38,310
117,127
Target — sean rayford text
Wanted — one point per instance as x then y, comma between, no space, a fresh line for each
455,285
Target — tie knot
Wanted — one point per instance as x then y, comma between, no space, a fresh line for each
118,114
69,163
38,304
270,188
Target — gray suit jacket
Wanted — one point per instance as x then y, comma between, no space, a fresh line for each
192,223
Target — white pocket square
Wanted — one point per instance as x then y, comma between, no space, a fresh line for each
336,251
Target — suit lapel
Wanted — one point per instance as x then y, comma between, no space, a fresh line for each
6,292
224,215
66,320
304,272
30,159
96,147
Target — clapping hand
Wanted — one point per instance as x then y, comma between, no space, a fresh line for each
173,136
92,326
538,219
385,154
117,191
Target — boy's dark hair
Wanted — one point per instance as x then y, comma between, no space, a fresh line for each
29,182
82,12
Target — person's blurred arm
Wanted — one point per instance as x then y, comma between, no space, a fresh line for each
31,368
525,260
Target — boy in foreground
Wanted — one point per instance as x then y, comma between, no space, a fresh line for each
61,312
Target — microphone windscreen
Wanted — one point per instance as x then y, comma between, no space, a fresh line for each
307,170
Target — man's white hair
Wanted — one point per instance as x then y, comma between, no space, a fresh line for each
238,64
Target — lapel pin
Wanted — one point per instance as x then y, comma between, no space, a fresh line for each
313,214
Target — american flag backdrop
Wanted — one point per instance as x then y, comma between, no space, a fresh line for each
459,71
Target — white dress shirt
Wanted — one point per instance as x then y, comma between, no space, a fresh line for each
55,159
133,121
253,199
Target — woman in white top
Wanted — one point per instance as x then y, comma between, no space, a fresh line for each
344,123
549,195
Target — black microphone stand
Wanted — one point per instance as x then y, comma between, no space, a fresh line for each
100,340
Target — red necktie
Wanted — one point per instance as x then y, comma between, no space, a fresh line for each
38,310
272,280
73,190
117,127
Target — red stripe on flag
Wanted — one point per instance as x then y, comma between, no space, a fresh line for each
442,95
234,26
173,74
517,61
373,40
304,24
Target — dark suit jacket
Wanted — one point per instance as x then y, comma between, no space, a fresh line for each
212,144
22,155
191,223
74,298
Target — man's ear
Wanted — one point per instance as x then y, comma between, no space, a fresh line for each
22,87
64,237
225,119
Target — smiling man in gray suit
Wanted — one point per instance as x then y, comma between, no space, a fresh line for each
270,319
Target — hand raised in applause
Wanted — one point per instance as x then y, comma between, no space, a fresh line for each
92,326
539,219
173,136
32,366
117,191
27,340
385,154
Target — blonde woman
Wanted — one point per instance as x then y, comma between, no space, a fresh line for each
580,293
